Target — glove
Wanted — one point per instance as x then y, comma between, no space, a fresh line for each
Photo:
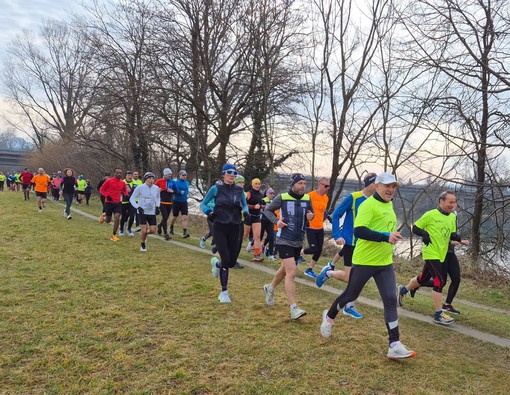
157,210
109,198
140,210
426,240
211,216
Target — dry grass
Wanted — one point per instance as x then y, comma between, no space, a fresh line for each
81,314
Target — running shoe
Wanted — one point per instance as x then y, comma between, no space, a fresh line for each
296,313
300,260
143,249
114,238
443,319
309,272
69,217
248,247
269,295
215,270
167,237
40,211
65,214
266,251
322,277
272,258
352,312
448,308
399,351
326,326
258,258
331,264
401,295
237,265
185,236
223,297
130,233
121,233
101,219
202,242
159,229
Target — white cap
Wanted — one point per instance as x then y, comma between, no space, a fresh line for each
167,171
386,178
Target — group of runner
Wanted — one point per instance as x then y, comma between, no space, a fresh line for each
367,234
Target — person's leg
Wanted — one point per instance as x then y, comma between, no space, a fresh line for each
386,284
87,199
165,213
131,217
271,239
116,221
256,227
221,237
124,215
143,234
453,268
311,237
69,200
185,222
103,201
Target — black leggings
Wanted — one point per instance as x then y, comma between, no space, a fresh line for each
433,269
315,239
451,268
226,238
166,210
268,227
128,215
384,277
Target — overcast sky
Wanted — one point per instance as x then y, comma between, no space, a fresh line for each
16,15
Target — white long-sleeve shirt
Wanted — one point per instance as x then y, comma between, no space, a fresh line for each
148,198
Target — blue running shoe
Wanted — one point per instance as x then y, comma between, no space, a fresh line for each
301,260
352,312
322,277
309,272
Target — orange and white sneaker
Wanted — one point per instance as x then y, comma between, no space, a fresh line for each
101,219
115,238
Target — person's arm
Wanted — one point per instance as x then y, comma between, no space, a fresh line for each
133,198
272,207
425,237
338,213
363,232
210,195
158,197
244,204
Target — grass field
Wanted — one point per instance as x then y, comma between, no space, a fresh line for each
80,314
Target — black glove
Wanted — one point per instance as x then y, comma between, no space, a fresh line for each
211,216
157,210
109,198
426,239
140,210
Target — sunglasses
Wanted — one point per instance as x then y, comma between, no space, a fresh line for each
231,172
325,185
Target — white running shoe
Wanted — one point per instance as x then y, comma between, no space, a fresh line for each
65,214
121,233
130,233
269,295
272,258
296,313
215,270
399,351
223,297
143,249
326,326
248,247
202,242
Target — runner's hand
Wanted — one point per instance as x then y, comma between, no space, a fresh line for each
140,210
394,237
340,241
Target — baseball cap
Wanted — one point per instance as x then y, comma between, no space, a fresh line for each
167,171
183,173
386,178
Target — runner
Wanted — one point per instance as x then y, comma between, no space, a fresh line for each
344,236
268,227
295,211
137,181
17,180
112,189
80,189
180,203
26,182
88,192
3,178
229,202
55,186
437,228
67,187
239,181
375,227
166,187
42,182
255,202
146,200
128,211
315,231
